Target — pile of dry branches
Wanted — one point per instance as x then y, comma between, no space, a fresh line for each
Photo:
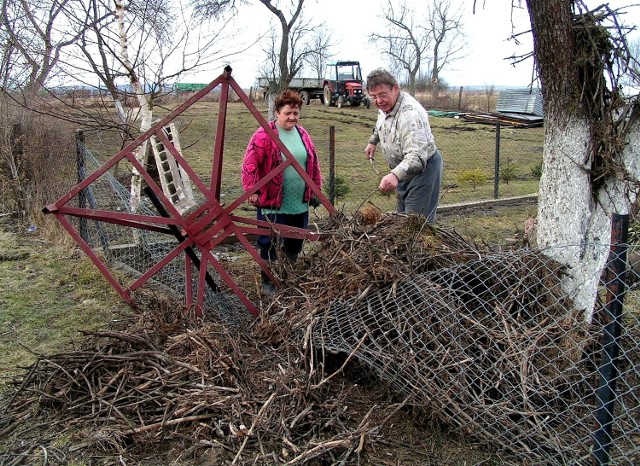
359,254
159,387
478,340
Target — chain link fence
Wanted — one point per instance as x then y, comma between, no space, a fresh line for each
482,161
502,146
486,161
133,252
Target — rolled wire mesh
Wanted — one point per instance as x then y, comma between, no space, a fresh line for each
485,342
485,346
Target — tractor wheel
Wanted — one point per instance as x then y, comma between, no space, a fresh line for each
340,102
355,104
327,96
306,98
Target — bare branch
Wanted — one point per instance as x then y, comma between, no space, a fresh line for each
406,44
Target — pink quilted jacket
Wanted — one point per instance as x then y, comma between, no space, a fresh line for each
263,155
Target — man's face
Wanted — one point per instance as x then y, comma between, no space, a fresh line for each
287,117
384,96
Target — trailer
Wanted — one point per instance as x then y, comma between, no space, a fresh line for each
309,88
345,85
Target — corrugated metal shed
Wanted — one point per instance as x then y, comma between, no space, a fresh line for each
525,100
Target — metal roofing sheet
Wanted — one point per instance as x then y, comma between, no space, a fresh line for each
527,101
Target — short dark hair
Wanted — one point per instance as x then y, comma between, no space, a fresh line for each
288,97
379,77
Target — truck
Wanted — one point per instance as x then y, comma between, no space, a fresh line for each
344,85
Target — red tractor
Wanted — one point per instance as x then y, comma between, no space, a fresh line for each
346,85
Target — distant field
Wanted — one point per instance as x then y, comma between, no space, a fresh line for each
466,147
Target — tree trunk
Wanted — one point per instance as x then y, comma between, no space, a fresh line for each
574,215
412,83
146,109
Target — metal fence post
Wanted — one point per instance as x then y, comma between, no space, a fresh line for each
605,395
332,164
496,168
81,174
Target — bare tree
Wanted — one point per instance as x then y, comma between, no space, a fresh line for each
405,43
632,78
147,43
302,48
269,67
288,60
137,44
592,137
34,36
489,91
301,52
446,31
320,46
8,57
288,63
294,48
112,40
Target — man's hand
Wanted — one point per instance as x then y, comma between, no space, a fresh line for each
388,183
370,150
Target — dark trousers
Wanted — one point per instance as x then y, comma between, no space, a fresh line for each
422,193
290,246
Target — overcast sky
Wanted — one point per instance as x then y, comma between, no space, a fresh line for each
350,22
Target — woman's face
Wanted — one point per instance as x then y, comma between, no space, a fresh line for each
287,117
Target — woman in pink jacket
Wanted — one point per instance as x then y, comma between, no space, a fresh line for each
285,198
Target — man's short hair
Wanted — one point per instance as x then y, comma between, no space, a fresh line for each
380,77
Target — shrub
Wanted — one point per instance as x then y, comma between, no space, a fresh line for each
341,188
37,162
472,177
508,172
536,170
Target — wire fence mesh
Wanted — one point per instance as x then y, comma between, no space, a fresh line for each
488,161
493,349
481,162
136,252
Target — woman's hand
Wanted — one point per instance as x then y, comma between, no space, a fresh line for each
253,199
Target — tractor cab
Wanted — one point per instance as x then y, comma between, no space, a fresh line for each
345,85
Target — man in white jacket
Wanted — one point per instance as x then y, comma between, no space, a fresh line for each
408,147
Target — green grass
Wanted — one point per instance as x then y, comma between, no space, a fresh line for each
48,294
495,226
465,146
